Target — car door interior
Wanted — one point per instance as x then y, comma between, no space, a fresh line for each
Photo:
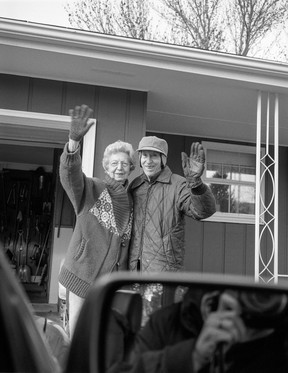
99,346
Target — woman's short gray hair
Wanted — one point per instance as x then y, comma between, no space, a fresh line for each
119,147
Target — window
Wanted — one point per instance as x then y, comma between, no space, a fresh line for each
231,174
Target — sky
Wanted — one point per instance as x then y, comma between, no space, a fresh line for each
41,11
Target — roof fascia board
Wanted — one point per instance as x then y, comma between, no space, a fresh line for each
143,53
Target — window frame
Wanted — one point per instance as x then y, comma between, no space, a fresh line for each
226,217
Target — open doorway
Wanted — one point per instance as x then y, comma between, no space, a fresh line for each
27,200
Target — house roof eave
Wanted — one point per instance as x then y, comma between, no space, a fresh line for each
74,43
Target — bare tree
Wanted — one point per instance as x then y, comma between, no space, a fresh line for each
92,15
234,26
249,21
130,18
134,21
194,22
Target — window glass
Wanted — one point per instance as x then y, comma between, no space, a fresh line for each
242,199
247,174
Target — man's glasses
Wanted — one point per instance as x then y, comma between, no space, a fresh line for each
121,163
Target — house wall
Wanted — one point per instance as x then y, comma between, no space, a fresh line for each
229,247
121,114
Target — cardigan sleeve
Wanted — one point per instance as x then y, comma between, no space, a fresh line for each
72,177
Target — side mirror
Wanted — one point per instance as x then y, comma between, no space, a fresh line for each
113,335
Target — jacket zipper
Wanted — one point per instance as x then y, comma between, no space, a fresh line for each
139,262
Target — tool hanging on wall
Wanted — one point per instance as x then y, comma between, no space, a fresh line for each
39,190
36,252
47,204
19,253
11,200
41,182
22,192
25,270
42,251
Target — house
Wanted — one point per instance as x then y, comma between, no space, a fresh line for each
237,106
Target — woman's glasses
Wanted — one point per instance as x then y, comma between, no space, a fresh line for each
121,163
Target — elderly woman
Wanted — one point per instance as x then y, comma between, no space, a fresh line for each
103,209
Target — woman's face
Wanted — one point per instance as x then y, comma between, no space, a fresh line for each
119,166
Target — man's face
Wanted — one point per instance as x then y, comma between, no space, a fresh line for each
150,162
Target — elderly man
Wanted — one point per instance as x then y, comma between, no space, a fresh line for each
161,201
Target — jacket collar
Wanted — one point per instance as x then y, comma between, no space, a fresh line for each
114,184
164,177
